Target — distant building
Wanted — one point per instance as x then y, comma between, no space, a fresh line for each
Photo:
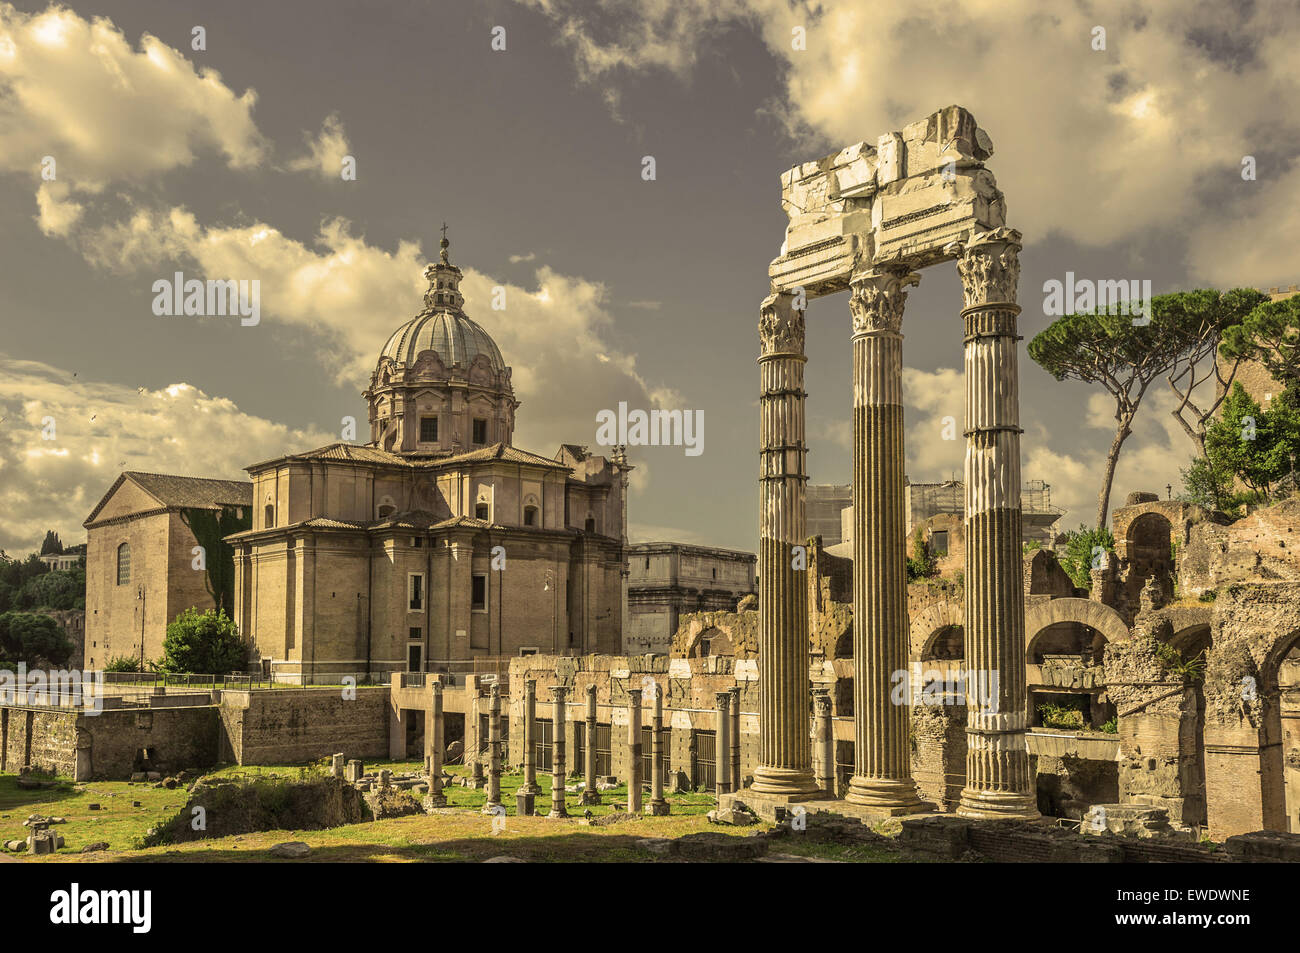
666,580
1252,375
140,563
825,501
70,558
923,503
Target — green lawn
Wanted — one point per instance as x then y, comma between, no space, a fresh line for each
462,833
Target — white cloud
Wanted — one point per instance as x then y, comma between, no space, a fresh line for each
516,259
325,152
76,91
101,429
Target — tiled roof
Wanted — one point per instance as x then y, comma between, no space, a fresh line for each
499,451
198,492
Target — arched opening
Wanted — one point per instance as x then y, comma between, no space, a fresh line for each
948,644
590,525
710,641
530,516
1280,738
386,510
268,516
1190,643
1149,553
844,644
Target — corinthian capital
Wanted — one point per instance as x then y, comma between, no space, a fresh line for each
877,299
989,265
780,325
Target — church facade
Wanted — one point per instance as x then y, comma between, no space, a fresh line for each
439,540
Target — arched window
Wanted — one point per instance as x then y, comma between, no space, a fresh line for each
386,511
269,515
530,516
591,524
124,564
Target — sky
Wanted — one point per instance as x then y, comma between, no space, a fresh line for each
133,146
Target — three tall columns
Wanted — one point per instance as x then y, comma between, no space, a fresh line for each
882,776
784,751
998,783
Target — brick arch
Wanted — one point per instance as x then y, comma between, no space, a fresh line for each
1097,616
930,622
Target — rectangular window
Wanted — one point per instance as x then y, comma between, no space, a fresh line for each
415,633
413,658
428,430
478,598
480,430
417,591
939,543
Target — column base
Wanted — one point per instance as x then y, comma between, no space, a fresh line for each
433,802
997,805
533,789
558,813
657,808
590,797
490,808
886,795
793,783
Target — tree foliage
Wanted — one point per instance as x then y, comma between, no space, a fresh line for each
203,642
51,543
210,527
36,640
1080,553
1270,334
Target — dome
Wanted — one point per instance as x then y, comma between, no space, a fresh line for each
456,338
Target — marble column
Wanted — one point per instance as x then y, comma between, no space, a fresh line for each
882,776
589,793
530,785
735,739
825,743
722,744
784,759
998,782
634,750
658,803
435,726
494,751
558,772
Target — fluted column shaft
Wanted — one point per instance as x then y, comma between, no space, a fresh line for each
494,748
435,727
634,750
882,752
658,803
589,793
784,766
558,766
530,785
997,759
722,745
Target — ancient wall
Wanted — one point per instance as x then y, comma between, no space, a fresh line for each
304,724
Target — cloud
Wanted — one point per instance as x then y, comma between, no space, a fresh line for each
936,449
76,91
325,152
54,484
516,259
1099,146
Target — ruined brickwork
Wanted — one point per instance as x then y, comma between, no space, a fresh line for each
270,727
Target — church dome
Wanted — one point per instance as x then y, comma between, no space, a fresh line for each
456,338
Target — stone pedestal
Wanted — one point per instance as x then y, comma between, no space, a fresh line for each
998,779
784,763
354,771
494,752
589,793
524,803
882,777
634,795
530,785
559,768
336,766
658,804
